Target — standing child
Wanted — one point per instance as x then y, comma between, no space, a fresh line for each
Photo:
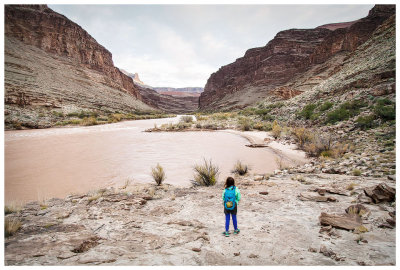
231,197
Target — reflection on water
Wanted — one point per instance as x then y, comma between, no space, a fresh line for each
59,161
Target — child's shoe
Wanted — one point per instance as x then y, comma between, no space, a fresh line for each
236,231
226,234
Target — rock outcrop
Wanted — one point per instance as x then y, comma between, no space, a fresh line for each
52,65
264,71
52,32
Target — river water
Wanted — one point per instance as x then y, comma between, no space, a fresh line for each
41,164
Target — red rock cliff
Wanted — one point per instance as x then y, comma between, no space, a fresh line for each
52,32
290,53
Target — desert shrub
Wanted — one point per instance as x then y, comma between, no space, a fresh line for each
240,168
183,125
345,111
385,109
262,112
58,114
337,115
89,121
326,106
307,111
365,122
200,117
340,149
186,119
318,144
115,117
356,172
352,185
248,111
276,130
158,174
245,124
302,135
262,126
275,105
206,174
11,226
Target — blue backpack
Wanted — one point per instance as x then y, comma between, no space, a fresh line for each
230,198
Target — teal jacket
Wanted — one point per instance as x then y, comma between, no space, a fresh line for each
237,195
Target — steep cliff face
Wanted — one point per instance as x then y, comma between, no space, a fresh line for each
265,71
40,26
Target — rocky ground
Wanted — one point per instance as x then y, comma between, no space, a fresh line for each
280,218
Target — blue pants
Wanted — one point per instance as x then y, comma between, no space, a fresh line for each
228,219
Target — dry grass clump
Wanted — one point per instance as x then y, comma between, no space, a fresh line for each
186,119
12,207
158,174
11,226
356,172
351,186
240,168
206,174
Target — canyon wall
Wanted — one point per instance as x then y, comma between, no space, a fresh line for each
264,71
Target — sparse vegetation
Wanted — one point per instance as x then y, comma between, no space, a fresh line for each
326,106
345,111
158,174
11,207
276,130
308,111
11,226
365,122
206,174
302,135
385,109
186,119
240,168
356,172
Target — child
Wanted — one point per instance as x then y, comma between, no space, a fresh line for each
230,197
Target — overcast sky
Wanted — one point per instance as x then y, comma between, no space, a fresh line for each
181,45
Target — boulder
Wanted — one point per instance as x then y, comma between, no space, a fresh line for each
381,193
344,221
311,197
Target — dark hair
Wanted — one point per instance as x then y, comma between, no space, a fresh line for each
229,182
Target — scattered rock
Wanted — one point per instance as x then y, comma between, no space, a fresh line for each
196,249
345,221
391,222
381,193
253,256
311,197
264,192
236,253
327,252
86,245
392,177
311,249
386,225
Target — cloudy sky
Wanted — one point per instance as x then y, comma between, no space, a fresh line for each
181,45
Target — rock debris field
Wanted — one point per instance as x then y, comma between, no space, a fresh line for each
285,219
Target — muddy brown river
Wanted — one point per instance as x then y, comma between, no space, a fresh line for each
56,162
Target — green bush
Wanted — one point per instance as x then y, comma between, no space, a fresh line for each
385,109
365,122
339,114
205,175
326,106
308,111
158,174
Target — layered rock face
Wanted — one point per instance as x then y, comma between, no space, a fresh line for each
40,26
169,103
266,71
